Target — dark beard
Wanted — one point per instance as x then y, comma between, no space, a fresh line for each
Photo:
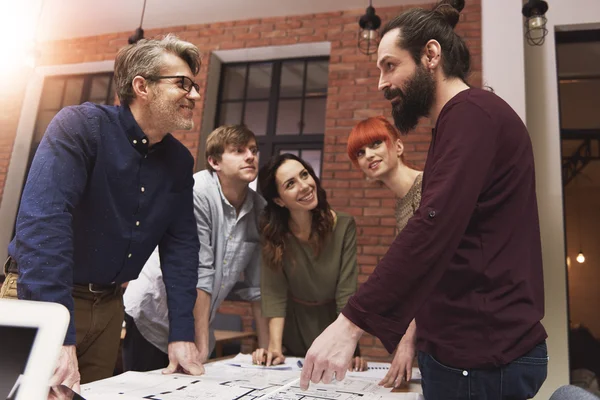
416,100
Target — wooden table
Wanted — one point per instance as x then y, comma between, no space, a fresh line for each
222,337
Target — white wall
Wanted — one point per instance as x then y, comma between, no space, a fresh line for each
536,90
503,60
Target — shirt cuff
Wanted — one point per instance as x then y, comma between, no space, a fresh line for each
374,324
70,338
182,331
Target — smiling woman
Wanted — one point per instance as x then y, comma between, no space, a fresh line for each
309,259
19,49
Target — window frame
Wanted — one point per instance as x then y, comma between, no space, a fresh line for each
270,143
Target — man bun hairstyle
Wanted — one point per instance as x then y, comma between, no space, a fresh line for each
418,26
450,9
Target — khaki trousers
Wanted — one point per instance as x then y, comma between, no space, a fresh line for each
98,323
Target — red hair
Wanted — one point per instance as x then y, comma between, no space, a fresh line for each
367,132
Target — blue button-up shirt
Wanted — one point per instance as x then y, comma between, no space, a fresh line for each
97,201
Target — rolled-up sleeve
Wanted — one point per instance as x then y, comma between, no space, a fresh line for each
57,179
178,251
414,264
206,260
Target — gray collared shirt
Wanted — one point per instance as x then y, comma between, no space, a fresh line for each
229,246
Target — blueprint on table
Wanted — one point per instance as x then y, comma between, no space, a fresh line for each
224,382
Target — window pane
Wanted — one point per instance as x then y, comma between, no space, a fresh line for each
292,76
259,81
44,118
314,115
233,84
317,75
52,96
255,116
99,89
113,99
231,114
73,92
294,152
288,117
313,157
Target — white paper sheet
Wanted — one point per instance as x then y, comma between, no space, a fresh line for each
227,382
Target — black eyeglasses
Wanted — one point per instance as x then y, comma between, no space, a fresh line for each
184,82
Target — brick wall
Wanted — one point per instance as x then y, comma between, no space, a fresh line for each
352,96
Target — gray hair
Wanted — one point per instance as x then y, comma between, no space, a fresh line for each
145,58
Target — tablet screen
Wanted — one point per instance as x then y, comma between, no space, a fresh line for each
16,345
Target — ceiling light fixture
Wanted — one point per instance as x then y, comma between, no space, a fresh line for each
535,21
139,32
368,35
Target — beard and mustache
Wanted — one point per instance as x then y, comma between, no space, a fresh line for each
414,100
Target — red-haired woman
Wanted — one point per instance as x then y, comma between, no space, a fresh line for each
375,147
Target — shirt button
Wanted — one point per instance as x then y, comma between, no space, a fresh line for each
144,141
142,189
431,214
129,255
137,223
465,373
134,141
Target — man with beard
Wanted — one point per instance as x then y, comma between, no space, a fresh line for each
227,213
468,265
106,186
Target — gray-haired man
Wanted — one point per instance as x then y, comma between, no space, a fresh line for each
107,185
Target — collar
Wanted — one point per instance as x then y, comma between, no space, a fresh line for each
136,137
248,201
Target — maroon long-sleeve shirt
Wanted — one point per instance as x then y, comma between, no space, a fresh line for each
468,265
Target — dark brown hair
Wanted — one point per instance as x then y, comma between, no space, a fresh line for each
274,221
418,26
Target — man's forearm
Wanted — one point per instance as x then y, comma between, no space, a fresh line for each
262,325
201,317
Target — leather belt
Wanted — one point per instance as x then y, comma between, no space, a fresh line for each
10,267
98,288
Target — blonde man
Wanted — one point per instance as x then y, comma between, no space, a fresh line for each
227,213
107,185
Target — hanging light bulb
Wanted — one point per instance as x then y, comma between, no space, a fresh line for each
368,35
535,21
580,257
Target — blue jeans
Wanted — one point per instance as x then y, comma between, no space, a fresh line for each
519,380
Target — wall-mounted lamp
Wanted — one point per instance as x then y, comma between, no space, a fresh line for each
580,257
139,32
535,21
368,35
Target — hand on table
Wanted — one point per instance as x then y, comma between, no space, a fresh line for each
67,369
330,353
358,364
184,357
401,368
267,357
